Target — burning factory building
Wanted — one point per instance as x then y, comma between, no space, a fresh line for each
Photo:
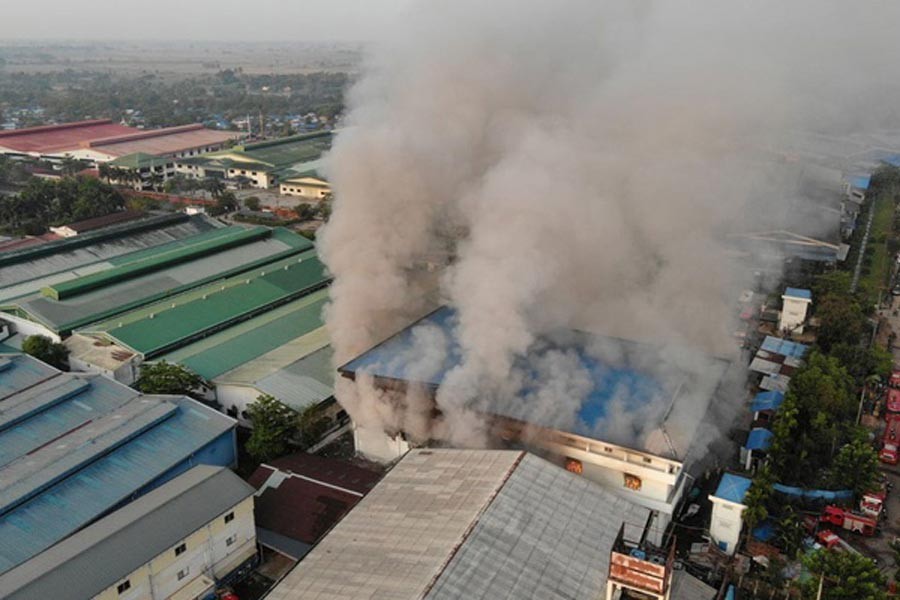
627,415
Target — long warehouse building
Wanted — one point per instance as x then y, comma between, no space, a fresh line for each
74,447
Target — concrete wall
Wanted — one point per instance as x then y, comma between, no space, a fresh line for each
725,525
214,551
25,328
793,314
237,397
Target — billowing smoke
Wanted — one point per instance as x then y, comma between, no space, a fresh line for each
543,166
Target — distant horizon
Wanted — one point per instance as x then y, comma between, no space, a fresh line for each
266,21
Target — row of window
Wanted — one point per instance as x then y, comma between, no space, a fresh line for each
179,550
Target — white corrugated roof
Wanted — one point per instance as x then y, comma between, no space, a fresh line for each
473,524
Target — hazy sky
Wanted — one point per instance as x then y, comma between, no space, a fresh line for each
344,20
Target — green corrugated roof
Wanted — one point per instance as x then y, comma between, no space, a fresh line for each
160,260
282,152
252,339
220,304
139,160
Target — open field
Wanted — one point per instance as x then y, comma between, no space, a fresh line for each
179,59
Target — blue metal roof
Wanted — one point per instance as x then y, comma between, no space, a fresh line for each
770,400
18,371
798,293
733,488
893,160
759,439
860,182
91,452
628,384
784,347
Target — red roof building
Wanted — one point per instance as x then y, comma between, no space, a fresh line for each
51,139
102,140
301,497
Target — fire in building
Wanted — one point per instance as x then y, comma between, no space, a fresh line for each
639,431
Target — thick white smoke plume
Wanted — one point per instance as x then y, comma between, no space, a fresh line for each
542,165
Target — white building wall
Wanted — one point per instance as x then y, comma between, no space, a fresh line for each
207,553
725,525
238,397
793,314
25,328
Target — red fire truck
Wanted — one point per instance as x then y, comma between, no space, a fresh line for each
892,400
872,503
829,539
891,440
835,515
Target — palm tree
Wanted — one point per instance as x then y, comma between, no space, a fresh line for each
156,180
105,171
214,186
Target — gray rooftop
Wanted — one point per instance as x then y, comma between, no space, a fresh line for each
61,313
28,277
98,556
473,524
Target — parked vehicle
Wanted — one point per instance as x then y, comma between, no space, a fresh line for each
840,517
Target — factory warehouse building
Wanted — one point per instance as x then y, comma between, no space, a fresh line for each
180,541
75,447
669,397
484,524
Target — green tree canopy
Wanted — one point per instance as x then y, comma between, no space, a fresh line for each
273,425
842,321
817,417
168,378
856,465
45,349
847,576
44,202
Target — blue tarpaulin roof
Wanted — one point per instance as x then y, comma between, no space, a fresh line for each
784,347
733,488
765,531
860,182
798,293
893,160
770,400
759,439
827,495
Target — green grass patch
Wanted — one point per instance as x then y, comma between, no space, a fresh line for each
872,283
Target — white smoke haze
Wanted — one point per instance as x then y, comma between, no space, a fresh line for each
576,165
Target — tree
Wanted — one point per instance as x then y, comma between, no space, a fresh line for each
847,576
70,165
45,349
855,466
305,212
756,500
168,378
311,424
817,417
842,321
273,425
214,186
862,362
252,203
791,532
325,207
155,179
